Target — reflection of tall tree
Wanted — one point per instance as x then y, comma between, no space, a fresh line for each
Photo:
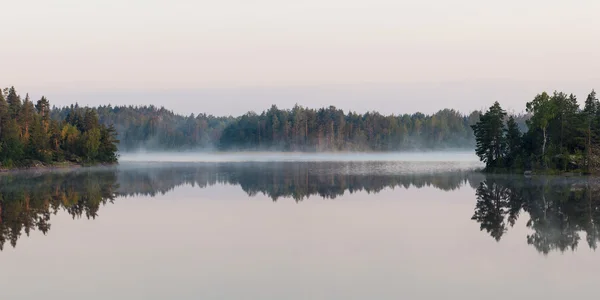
28,200
559,209
591,217
492,206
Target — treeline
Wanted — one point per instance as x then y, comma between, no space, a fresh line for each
296,129
304,129
561,136
149,127
29,135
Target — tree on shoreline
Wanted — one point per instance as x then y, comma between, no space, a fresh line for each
28,134
514,141
543,111
590,112
560,135
489,136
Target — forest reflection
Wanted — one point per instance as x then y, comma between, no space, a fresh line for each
27,200
560,210
296,180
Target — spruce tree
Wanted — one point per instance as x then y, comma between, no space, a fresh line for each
513,143
489,136
590,111
14,103
26,118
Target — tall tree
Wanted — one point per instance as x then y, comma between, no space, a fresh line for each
14,102
4,115
513,142
489,136
26,117
589,111
43,109
543,111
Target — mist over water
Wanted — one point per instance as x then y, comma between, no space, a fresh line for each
340,163
425,156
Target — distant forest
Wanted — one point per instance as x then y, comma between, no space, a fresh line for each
296,129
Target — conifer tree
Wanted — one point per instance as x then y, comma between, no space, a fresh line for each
513,143
489,136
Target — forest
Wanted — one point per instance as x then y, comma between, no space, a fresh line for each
561,136
29,137
296,129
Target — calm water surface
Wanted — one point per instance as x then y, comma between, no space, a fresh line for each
297,230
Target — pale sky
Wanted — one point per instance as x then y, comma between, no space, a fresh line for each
229,56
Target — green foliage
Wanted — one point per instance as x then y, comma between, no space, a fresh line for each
561,136
331,129
107,151
543,110
149,127
489,137
296,129
558,210
28,134
514,141
14,103
91,143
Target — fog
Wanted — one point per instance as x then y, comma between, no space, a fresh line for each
433,156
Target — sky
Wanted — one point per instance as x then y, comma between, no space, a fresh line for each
231,56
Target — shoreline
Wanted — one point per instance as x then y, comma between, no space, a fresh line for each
50,167
549,172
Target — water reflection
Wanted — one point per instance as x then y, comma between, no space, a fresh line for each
28,200
289,179
559,210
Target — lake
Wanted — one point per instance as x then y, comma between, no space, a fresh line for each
292,228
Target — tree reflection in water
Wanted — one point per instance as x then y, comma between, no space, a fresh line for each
559,209
27,200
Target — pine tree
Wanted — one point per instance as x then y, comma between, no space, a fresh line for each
43,109
108,144
26,118
513,142
489,136
90,120
4,114
14,103
590,111
38,141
